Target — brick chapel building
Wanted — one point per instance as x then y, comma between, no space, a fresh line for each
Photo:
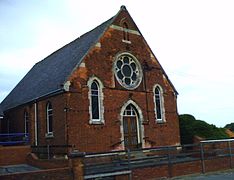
104,91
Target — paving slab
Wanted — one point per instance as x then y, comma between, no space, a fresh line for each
19,168
219,175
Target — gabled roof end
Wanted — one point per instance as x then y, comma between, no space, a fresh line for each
123,8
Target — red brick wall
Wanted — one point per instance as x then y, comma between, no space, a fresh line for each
45,163
180,169
59,120
217,164
99,63
150,172
186,168
59,173
16,119
13,155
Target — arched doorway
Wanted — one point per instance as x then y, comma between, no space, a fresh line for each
131,128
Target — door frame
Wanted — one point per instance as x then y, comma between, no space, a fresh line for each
139,119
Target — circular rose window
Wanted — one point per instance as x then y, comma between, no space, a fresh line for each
128,71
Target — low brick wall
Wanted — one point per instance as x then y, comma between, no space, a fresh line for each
46,164
59,173
150,172
180,169
11,155
221,163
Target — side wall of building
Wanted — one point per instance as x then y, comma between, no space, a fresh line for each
15,120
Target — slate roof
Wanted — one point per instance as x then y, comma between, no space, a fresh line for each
1,112
49,75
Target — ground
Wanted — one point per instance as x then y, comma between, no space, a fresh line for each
219,175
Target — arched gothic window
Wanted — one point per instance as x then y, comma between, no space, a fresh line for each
159,105
125,32
49,118
26,122
96,101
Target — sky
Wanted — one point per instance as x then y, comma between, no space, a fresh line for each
192,39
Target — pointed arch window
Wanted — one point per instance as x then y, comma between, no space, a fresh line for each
125,32
26,123
159,105
49,118
96,101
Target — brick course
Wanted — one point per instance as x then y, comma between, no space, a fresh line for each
13,155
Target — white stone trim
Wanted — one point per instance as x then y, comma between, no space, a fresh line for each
140,126
66,86
98,44
125,29
101,96
162,104
125,41
82,64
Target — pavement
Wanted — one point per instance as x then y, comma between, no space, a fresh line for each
19,168
219,175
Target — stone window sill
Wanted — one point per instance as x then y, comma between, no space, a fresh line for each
49,135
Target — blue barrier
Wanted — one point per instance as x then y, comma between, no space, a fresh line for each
8,139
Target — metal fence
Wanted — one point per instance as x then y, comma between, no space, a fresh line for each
9,139
107,164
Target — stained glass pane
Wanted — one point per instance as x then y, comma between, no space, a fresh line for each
94,86
134,76
120,75
126,60
158,103
50,123
128,81
95,107
119,64
127,71
133,65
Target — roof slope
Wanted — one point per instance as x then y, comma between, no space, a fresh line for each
1,112
50,74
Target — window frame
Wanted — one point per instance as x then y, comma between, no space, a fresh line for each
159,97
49,117
26,122
139,70
100,96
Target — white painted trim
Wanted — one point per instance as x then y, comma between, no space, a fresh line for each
161,103
101,96
125,29
26,120
47,118
140,126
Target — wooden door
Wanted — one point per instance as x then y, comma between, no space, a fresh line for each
130,132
